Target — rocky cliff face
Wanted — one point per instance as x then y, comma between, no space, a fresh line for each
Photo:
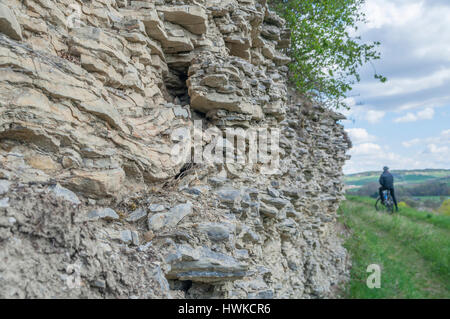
100,195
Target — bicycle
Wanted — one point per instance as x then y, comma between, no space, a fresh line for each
388,202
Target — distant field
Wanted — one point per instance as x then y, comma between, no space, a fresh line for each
359,181
414,178
422,189
433,198
411,247
402,177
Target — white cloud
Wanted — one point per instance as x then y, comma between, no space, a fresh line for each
359,135
425,21
446,133
365,149
405,85
388,13
362,112
426,114
369,156
438,101
431,152
442,139
415,55
433,148
410,117
411,142
374,116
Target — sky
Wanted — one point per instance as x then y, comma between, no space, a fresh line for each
405,122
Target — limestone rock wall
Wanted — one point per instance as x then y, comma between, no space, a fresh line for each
96,95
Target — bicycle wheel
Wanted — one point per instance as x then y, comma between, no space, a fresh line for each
390,208
390,205
378,205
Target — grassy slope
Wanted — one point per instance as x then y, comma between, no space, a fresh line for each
412,248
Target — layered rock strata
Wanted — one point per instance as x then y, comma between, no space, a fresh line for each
95,96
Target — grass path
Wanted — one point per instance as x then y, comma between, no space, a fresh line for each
413,254
413,214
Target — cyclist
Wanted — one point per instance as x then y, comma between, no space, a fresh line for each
387,183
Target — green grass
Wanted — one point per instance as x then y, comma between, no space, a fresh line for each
413,214
413,251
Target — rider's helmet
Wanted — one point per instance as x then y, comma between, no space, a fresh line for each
385,168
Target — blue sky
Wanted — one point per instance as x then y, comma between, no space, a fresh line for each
405,122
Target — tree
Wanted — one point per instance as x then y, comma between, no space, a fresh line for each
325,55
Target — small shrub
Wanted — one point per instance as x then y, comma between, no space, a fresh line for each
403,205
445,208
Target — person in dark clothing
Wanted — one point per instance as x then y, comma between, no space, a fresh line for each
387,183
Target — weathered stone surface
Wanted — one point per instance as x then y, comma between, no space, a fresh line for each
276,202
155,208
68,195
125,236
273,192
103,213
137,215
171,218
92,111
4,186
9,24
193,18
267,210
217,181
206,102
233,85
112,272
217,231
4,202
97,183
229,196
135,238
266,294
197,190
204,265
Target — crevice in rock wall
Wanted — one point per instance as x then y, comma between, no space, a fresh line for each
202,291
193,290
181,285
175,82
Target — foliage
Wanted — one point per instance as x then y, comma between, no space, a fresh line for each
402,205
325,54
445,207
411,202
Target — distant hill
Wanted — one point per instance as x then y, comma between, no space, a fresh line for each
425,184
402,177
